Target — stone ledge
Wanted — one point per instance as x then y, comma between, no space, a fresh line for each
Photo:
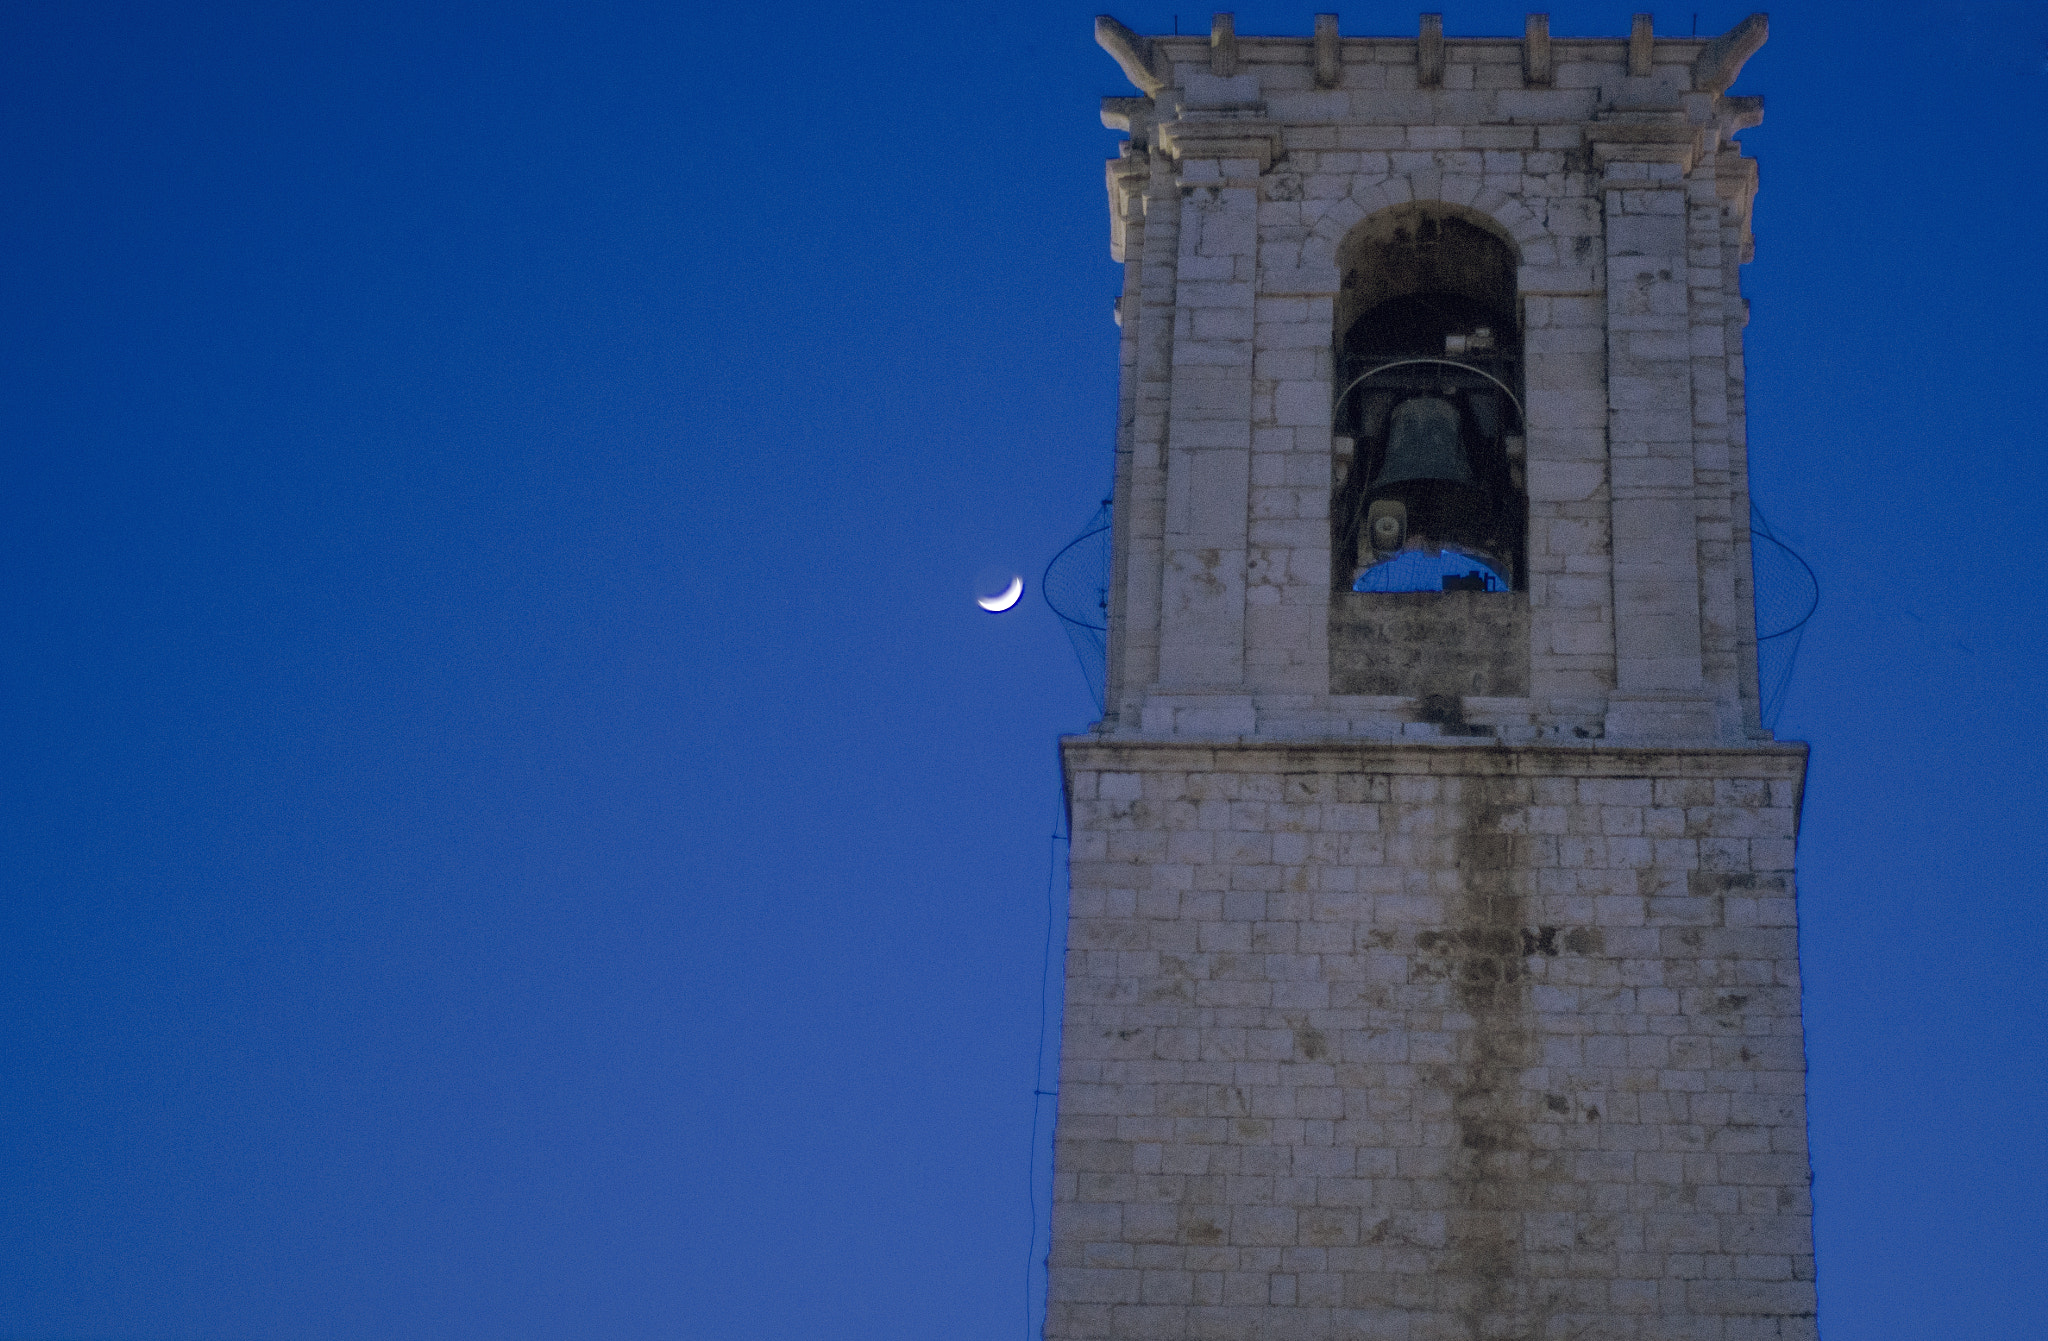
1482,758
1223,139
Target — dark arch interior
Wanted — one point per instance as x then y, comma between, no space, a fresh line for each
1440,289
1450,268
1418,323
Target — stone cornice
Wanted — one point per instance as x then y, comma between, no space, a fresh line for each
1227,138
1149,61
1440,757
1645,141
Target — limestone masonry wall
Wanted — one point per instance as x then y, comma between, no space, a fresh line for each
1426,1042
1433,969
1611,169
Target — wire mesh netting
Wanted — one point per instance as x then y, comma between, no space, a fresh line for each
1076,586
1787,594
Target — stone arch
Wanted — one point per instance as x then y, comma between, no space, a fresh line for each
1370,248
1504,215
1415,281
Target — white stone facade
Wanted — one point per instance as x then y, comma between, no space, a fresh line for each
1426,1016
1427,1041
1627,201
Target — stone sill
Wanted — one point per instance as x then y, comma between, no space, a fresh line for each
1465,757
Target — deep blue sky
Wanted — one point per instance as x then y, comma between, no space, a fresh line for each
511,826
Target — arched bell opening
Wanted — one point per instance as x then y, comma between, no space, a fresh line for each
1429,369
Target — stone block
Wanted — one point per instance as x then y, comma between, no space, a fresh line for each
1302,404
1582,278
1551,481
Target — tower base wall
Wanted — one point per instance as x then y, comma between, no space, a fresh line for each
1431,1040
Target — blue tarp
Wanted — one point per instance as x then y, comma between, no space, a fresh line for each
1424,570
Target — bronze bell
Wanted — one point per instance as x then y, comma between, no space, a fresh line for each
1423,443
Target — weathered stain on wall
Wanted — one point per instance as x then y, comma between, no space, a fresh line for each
1430,1041
1453,643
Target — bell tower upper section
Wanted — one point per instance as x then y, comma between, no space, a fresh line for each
1431,419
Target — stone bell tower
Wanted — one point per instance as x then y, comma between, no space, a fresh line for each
1433,961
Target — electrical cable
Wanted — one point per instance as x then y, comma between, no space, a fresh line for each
1033,1262
1786,592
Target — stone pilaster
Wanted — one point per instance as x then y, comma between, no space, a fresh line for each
1659,691
1735,182
1288,573
1140,506
1209,433
1571,582
1720,620
1208,474
1127,176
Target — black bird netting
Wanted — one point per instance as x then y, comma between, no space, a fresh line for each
1076,586
1787,594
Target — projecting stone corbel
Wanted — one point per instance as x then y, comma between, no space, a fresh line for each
1739,113
1132,52
1645,142
1133,116
1718,65
1223,139
1429,52
1641,42
1536,51
1329,62
1223,45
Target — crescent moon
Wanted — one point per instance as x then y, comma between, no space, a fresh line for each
1009,596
